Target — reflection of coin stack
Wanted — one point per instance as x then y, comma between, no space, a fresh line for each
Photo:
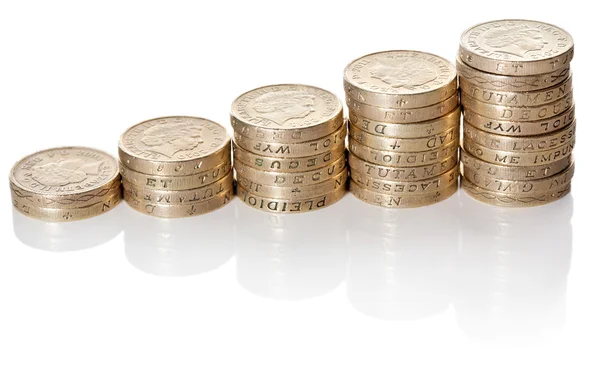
519,117
404,128
176,166
289,148
65,184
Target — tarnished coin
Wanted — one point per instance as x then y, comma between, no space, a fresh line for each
400,200
404,144
67,177
409,173
400,79
514,200
294,205
63,214
395,159
179,210
516,47
286,113
513,172
174,146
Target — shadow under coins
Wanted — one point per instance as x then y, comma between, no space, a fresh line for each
179,246
69,236
290,256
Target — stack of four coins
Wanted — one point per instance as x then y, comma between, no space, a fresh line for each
404,128
289,148
176,166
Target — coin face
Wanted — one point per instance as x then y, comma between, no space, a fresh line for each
286,106
174,139
64,171
400,73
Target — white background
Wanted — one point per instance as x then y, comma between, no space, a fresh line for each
458,293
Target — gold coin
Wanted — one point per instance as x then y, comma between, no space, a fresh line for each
290,179
513,172
514,200
411,173
407,130
519,144
178,210
510,83
519,158
394,187
176,182
179,197
286,113
515,128
404,145
518,186
63,214
516,47
395,159
294,192
174,146
515,98
401,200
400,79
418,114
520,114
288,165
301,149
276,205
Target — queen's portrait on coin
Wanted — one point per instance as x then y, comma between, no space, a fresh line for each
407,74
281,106
64,172
516,40
169,141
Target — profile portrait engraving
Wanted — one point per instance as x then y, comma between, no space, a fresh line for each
61,172
516,40
281,106
404,73
168,141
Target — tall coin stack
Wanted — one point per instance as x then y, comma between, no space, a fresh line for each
519,117
404,128
176,166
289,148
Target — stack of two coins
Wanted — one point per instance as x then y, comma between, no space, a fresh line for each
519,117
176,166
404,128
289,148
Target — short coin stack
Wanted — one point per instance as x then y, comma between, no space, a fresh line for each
519,117
404,128
65,184
176,166
289,148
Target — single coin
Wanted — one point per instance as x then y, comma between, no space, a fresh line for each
194,181
515,98
404,144
63,214
510,83
174,146
290,179
400,200
514,200
395,159
295,192
285,150
520,114
407,130
278,164
179,197
418,114
516,128
513,172
442,181
519,158
516,47
518,186
400,79
277,205
178,210
286,113
65,177
519,144
411,173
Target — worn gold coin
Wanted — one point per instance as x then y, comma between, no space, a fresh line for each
396,159
278,205
409,173
513,172
404,144
514,200
63,214
400,200
178,210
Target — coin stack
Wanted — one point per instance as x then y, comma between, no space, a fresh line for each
176,166
404,128
519,117
289,148
65,184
